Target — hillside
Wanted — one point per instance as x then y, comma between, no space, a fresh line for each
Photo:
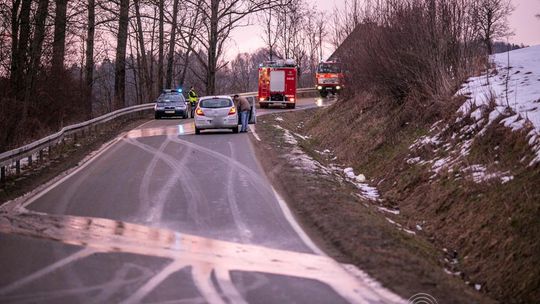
468,181
459,177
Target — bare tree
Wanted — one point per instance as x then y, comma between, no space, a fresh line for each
35,51
120,62
271,28
189,29
219,18
161,38
346,19
21,29
89,65
491,20
59,42
172,44
145,72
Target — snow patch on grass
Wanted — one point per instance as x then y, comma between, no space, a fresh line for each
303,161
480,174
515,88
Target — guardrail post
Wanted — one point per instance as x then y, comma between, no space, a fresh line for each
3,174
18,167
40,155
30,160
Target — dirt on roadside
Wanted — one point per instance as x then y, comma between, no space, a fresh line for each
348,227
63,157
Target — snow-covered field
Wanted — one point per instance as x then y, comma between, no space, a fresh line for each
514,86
509,93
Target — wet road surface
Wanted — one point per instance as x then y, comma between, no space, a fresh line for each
163,216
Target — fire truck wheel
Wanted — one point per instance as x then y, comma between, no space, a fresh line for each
291,105
324,94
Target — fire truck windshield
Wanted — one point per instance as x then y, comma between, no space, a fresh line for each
329,68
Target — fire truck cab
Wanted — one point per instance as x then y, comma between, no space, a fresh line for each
329,78
277,83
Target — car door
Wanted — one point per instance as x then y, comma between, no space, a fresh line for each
253,112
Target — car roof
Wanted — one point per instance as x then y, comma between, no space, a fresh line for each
215,97
165,91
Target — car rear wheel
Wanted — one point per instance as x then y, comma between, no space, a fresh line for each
156,116
185,116
324,94
197,130
235,130
291,105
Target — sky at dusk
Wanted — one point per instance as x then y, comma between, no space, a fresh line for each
525,25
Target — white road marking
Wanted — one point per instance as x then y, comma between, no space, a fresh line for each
294,224
202,276
254,133
223,276
147,288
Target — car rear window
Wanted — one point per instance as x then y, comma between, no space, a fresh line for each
216,103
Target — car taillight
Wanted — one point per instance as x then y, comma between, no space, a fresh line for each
199,112
232,111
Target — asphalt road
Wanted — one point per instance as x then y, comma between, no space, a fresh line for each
161,215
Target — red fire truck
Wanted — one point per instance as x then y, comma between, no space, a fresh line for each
329,78
277,83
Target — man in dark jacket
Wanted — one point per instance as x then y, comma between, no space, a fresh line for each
243,106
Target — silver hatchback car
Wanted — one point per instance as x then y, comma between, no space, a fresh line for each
216,112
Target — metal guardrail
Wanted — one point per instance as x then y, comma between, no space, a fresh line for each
13,157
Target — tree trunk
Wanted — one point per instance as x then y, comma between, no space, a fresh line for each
161,43
172,43
151,80
212,49
140,38
35,51
59,41
120,62
90,56
14,37
19,65
191,37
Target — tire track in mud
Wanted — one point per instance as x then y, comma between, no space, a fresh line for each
196,196
260,185
47,270
156,203
244,231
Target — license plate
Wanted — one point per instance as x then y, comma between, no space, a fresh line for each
169,112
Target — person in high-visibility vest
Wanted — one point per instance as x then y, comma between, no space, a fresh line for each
193,98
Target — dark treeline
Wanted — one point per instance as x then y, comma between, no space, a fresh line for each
64,61
420,51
